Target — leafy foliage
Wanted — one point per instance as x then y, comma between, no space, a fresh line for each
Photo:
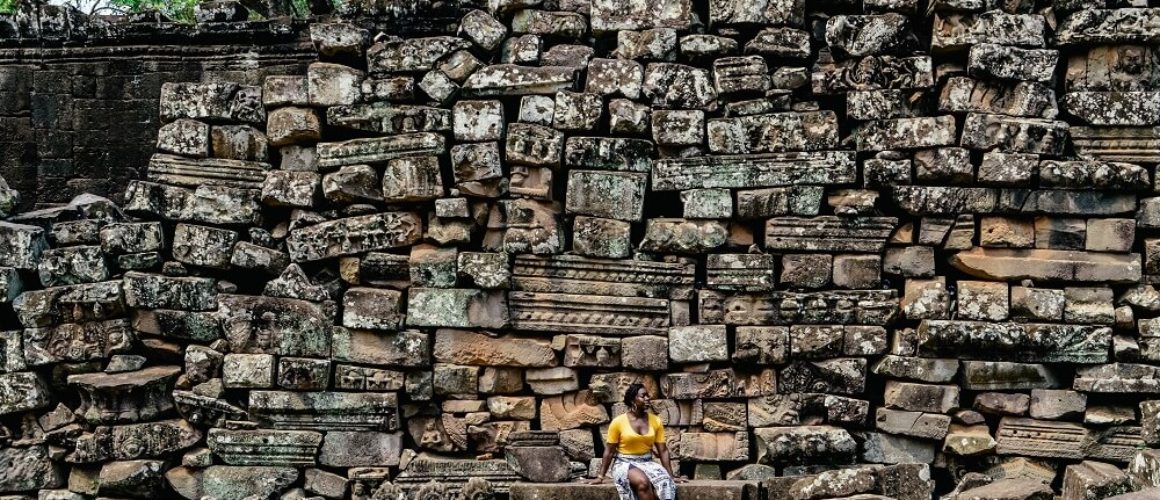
177,10
7,6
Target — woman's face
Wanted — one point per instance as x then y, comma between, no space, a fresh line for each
642,399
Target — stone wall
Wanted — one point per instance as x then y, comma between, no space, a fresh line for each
877,249
78,105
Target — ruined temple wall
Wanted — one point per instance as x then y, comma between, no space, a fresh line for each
78,112
849,247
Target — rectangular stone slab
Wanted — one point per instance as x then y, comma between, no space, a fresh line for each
1048,265
586,276
1041,438
216,205
390,118
835,307
265,446
76,342
774,132
572,313
188,172
332,155
961,94
353,235
1110,26
754,171
1024,342
326,410
1014,135
1114,108
609,153
512,79
275,325
873,73
1130,144
828,233
615,15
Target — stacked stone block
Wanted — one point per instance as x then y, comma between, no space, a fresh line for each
852,251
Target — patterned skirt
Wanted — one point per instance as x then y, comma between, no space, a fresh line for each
662,482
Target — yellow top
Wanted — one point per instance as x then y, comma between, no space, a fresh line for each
620,433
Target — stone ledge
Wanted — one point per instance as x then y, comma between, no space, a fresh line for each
717,490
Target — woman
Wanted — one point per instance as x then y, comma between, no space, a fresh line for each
631,438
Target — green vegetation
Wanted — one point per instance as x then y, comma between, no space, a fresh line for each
7,6
177,10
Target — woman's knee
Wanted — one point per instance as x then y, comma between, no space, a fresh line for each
638,480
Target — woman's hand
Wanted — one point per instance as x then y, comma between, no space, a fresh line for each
599,480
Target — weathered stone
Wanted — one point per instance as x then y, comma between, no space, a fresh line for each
956,31
205,204
125,397
772,133
23,245
678,127
962,94
988,60
765,12
921,397
679,86
1040,438
829,233
184,137
751,171
72,265
1094,480
1014,135
1044,264
780,43
869,34
1002,404
610,15
804,445
354,235
360,449
1109,26
510,79
1003,375
241,482
22,392
871,73
1118,378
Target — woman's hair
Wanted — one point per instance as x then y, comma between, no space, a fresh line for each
630,393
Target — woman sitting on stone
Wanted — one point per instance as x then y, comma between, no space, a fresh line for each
631,438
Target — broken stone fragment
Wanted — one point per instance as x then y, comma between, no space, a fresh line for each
616,15
204,246
510,79
354,235
804,445
482,29
679,86
1109,26
956,31
870,34
1015,98
1049,265
780,43
338,39
184,137
988,60
906,133
774,132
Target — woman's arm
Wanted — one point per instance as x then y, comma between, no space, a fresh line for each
663,453
609,454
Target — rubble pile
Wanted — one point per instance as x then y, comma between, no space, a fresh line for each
862,250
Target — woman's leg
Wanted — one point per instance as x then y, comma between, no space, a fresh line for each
640,484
